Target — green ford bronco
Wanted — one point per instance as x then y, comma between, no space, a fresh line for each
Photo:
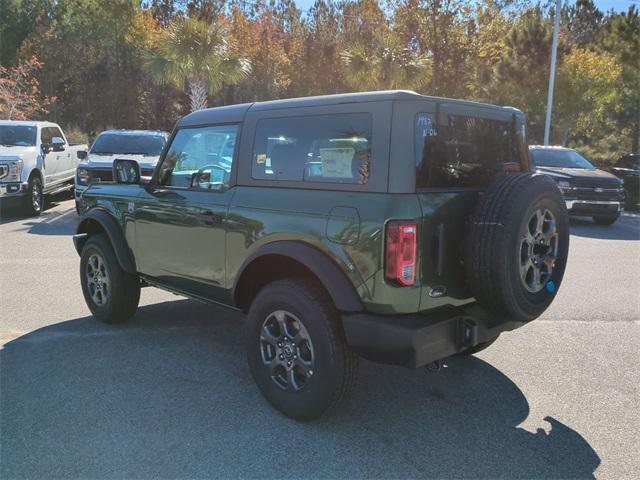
400,228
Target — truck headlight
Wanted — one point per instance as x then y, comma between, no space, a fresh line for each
82,176
564,185
15,170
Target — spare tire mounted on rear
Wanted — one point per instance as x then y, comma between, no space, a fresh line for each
518,246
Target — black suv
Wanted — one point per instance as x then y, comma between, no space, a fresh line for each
388,225
627,168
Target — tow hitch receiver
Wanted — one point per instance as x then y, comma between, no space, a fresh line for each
468,332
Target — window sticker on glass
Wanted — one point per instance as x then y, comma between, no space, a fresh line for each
336,162
261,158
425,125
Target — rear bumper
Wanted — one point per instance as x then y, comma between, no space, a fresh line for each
593,207
416,340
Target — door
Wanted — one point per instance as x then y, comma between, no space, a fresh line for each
66,159
181,219
457,150
51,161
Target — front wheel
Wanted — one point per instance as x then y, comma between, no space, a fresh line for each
34,200
111,294
296,349
605,220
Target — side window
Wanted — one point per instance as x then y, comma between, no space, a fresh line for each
322,148
46,135
465,153
55,132
200,158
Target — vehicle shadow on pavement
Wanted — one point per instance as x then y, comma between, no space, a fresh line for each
169,395
626,228
54,223
11,212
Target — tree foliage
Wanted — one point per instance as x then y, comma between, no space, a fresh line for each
20,97
132,64
196,54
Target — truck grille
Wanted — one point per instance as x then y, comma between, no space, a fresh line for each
106,175
596,190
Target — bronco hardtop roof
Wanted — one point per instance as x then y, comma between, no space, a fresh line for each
235,113
122,131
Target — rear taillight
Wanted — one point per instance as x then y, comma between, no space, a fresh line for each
400,265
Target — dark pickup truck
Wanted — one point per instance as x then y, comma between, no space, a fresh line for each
588,191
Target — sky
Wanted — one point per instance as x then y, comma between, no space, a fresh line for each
604,5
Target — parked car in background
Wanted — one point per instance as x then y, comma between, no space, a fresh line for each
390,225
627,168
587,190
143,146
35,160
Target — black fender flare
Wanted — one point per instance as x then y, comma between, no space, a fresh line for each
113,230
335,281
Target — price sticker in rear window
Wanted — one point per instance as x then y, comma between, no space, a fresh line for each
336,162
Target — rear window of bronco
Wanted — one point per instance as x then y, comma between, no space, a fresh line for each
321,148
466,152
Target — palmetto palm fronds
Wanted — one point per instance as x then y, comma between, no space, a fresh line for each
196,55
391,66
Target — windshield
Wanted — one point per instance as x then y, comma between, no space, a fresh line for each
18,135
113,144
560,159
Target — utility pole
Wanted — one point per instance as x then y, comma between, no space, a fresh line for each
552,72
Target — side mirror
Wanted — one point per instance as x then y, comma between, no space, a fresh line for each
209,177
81,154
126,171
58,144
200,179
46,148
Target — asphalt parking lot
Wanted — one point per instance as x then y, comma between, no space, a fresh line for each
169,394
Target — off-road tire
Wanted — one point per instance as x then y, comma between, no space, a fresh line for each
605,220
336,366
34,188
493,261
477,348
124,289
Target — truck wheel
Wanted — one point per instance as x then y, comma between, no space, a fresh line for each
518,246
605,219
477,348
111,294
34,199
296,349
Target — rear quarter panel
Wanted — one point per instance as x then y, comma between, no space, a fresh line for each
261,215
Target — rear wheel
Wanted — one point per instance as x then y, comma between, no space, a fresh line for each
296,349
34,200
518,246
605,220
111,294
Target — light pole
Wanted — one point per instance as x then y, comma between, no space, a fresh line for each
552,72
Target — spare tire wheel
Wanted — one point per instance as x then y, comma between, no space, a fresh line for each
518,246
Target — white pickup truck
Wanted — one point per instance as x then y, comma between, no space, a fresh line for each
35,160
